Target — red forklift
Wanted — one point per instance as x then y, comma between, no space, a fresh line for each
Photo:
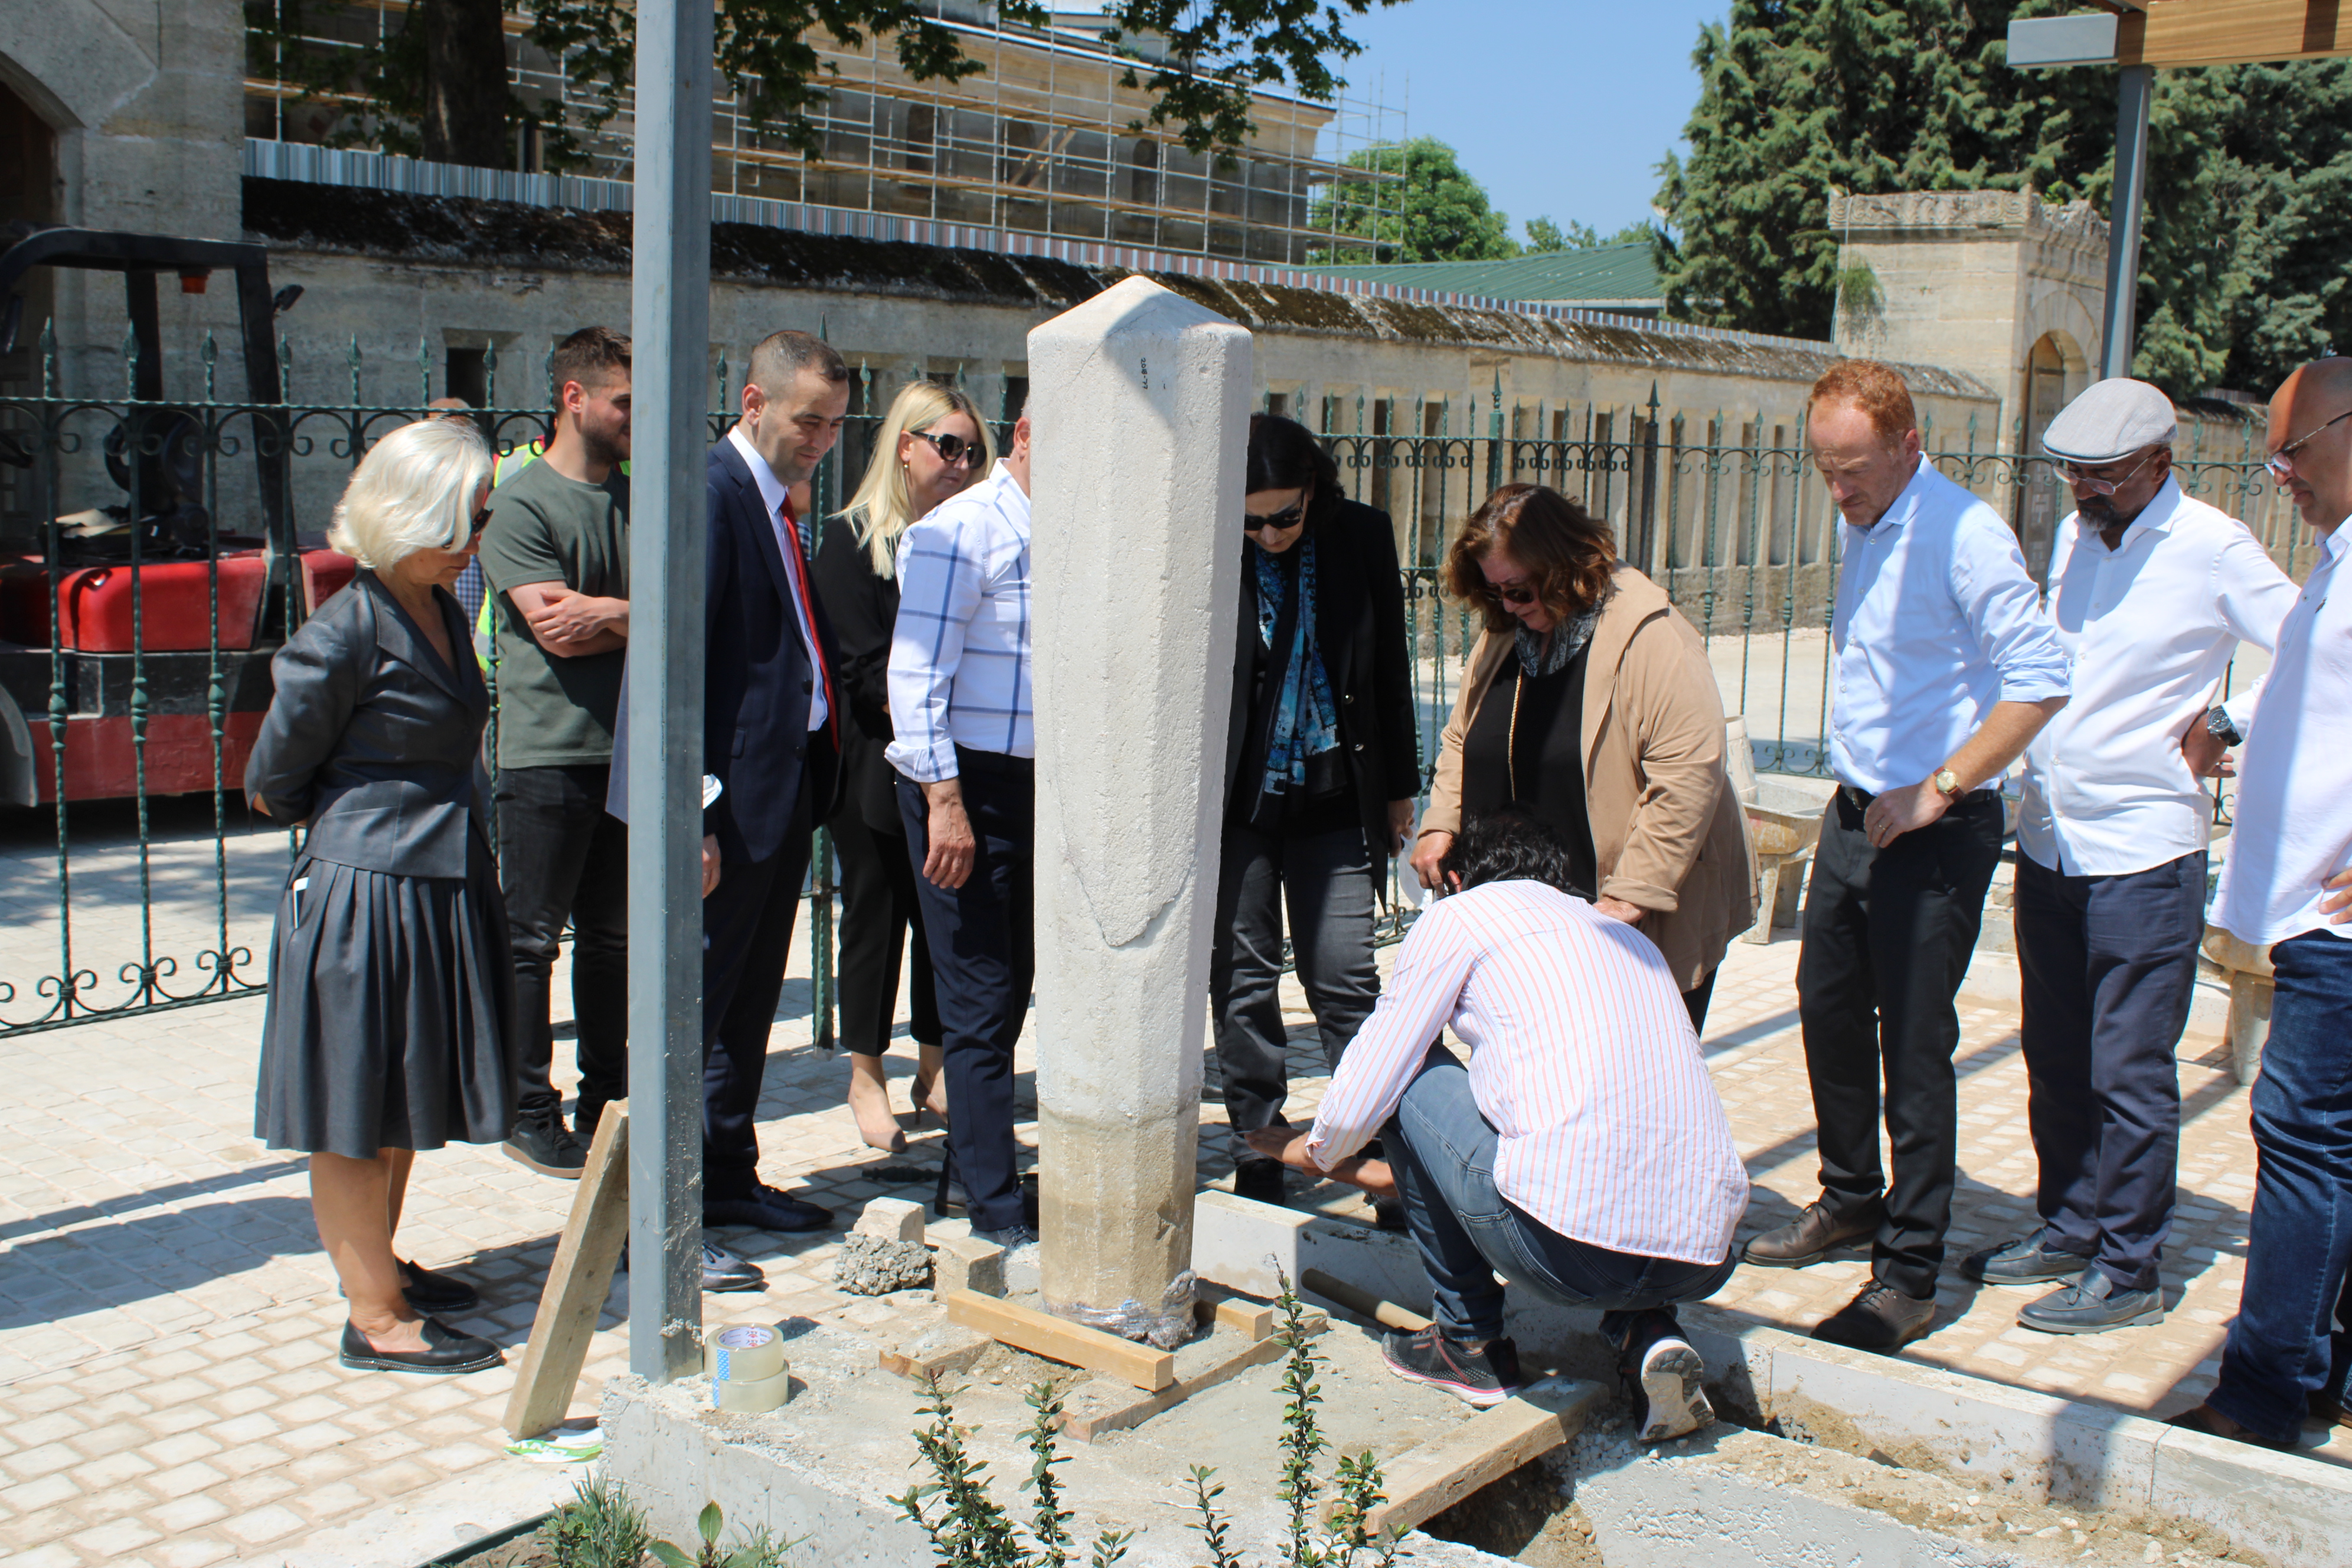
140,630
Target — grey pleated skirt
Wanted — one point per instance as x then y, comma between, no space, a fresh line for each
387,1022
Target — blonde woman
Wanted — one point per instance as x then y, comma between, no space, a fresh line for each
931,444
390,977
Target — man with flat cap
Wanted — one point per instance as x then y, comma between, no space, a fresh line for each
2150,593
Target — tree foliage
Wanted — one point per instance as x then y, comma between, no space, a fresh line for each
1545,236
1425,207
454,104
2246,223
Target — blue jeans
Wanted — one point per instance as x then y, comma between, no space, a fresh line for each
2299,1240
1442,1150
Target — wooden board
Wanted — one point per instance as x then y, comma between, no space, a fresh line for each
1362,1302
1254,1320
1424,1481
577,1283
1103,1407
2233,32
1042,1334
919,1364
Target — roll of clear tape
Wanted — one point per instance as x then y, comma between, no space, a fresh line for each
744,1352
752,1397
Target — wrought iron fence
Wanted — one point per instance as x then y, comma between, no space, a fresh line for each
157,549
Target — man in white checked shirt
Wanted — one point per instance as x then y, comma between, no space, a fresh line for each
1583,1153
960,712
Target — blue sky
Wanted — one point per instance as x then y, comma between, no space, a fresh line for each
1561,107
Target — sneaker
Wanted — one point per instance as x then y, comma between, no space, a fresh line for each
546,1145
1670,1377
1880,1318
1484,1376
1812,1237
2092,1304
2022,1260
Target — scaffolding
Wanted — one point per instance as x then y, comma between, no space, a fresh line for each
1045,141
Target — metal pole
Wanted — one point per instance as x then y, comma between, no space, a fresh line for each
2135,85
670,320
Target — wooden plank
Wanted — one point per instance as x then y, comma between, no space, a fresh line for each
918,1362
577,1282
1362,1302
2233,32
1252,1320
1424,1481
1055,1339
1092,1414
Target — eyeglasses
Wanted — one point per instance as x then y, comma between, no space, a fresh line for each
1520,593
481,521
1290,516
2281,463
952,449
2082,481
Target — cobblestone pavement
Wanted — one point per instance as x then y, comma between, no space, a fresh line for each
168,1389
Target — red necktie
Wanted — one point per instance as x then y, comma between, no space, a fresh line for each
792,569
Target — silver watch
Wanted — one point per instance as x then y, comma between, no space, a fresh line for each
2217,725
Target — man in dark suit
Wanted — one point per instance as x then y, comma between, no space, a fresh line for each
768,738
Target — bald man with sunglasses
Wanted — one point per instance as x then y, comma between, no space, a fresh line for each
2287,885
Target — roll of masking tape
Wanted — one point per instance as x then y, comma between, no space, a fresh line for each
752,1396
747,1352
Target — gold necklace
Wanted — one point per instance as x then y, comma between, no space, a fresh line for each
1511,736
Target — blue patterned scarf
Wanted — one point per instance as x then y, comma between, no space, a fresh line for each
1305,719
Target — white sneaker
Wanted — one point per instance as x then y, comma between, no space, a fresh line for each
1673,1380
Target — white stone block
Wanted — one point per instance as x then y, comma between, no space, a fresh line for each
892,1219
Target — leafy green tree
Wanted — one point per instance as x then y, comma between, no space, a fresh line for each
438,85
2246,221
1415,204
1543,235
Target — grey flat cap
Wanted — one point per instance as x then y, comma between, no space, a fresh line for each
2111,420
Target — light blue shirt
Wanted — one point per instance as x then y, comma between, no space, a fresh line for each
960,650
1937,620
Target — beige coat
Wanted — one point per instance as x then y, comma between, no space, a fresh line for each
1668,831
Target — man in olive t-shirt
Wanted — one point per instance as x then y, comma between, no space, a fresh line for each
555,555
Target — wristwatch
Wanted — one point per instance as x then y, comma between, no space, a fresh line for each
2217,725
1947,783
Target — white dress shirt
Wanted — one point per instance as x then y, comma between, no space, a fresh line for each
775,495
1937,620
2293,805
1581,1057
959,651
2148,629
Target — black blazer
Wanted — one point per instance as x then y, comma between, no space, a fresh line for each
372,740
862,609
755,735
1359,627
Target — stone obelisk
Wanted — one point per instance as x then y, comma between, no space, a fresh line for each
1139,401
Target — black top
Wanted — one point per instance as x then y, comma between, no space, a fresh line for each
1526,749
1325,804
863,610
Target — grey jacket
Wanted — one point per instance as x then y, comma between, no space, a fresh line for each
371,740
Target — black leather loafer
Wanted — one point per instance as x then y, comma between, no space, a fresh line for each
1812,1237
432,1293
1260,1180
1880,1318
764,1208
722,1271
446,1351
2023,1260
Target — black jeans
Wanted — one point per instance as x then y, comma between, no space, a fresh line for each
877,906
1888,935
1326,879
562,854
984,959
2108,965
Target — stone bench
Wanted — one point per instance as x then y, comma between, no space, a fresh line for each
2249,969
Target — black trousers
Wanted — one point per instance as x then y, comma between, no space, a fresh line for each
747,937
562,856
2109,964
1327,880
984,959
877,906
1888,934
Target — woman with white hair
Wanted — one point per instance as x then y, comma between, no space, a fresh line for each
931,444
389,972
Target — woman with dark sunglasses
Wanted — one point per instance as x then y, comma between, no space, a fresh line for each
1588,703
1321,773
931,444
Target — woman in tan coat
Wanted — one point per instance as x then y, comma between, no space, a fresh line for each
1588,703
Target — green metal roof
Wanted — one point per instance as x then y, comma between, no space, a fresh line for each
1622,275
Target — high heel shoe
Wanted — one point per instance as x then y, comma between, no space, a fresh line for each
920,1087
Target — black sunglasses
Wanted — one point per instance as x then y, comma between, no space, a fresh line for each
1512,593
1290,516
481,521
952,449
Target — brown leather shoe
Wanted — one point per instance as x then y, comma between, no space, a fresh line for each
1812,1237
2213,1424
1880,1318
2329,1411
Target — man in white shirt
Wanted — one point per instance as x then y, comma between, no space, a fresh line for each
1582,1155
2286,883
961,714
2150,593
1942,669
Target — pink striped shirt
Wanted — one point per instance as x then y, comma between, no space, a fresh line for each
1581,1057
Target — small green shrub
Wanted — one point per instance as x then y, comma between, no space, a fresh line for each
599,1528
758,1550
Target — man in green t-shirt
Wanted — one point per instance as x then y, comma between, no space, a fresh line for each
555,555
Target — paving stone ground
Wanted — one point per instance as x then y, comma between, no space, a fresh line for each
169,1395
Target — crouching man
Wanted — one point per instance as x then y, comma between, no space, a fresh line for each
1583,1153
